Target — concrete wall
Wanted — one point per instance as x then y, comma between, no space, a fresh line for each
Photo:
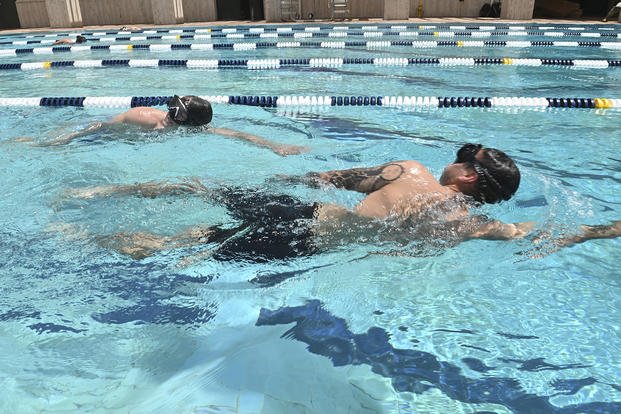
449,8
396,9
64,13
517,9
199,10
358,9
32,13
117,12
167,11
271,9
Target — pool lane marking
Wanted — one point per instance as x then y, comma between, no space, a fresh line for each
266,64
405,33
372,44
577,31
326,101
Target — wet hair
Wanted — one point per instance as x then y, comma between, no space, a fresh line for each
199,110
498,178
80,39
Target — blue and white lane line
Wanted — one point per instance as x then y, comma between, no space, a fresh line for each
334,34
244,46
270,64
324,101
322,28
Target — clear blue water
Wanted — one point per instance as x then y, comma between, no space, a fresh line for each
477,327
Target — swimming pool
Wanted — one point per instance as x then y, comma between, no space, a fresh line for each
364,327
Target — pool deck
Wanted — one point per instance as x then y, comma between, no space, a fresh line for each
421,21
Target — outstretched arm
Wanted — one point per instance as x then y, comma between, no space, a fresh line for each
280,149
362,180
609,231
149,189
543,245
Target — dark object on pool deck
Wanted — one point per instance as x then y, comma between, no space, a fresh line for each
490,10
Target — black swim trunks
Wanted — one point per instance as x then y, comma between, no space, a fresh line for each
272,226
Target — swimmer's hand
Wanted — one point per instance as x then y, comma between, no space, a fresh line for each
522,229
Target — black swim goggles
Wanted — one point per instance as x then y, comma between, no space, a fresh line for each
177,111
485,180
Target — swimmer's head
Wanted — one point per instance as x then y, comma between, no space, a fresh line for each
80,39
497,176
189,110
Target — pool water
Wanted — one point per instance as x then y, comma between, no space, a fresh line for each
367,326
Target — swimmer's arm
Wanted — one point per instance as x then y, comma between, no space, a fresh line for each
606,231
280,149
362,180
609,231
497,230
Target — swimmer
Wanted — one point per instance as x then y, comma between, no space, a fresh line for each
403,202
187,110
70,41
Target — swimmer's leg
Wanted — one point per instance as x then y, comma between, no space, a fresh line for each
142,244
150,189
65,138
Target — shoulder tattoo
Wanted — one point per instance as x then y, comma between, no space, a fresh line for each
366,180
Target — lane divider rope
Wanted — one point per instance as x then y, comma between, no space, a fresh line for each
339,34
263,64
306,44
314,29
323,101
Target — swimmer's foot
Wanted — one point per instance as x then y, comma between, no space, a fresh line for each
284,150
136,245
191,260
149,190
23,139
68,230
89,192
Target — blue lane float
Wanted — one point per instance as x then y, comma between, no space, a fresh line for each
326,101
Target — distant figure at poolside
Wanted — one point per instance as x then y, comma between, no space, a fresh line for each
187,110
403,203
614,12
130,29
70,41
